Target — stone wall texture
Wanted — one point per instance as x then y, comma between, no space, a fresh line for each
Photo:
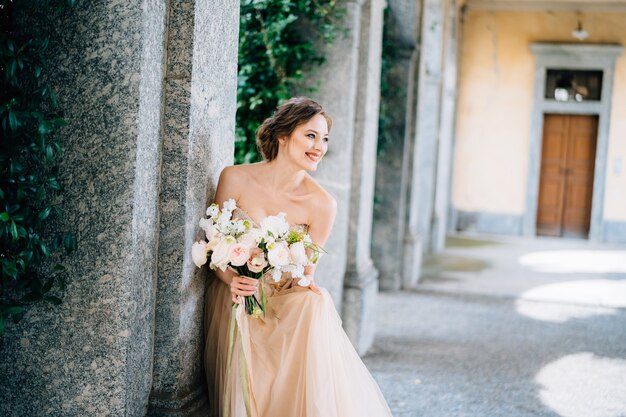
150,130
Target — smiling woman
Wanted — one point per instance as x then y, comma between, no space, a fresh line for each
295,360
309,138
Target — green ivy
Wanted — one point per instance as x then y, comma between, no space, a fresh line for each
389,91
29,119
278,41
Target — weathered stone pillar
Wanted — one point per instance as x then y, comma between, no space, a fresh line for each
337,93
446,130
148,88
361,281
198,141
424,154
393,166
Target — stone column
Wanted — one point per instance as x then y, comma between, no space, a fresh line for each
447,123
148,88
198,141
337,94
361,281
424,153
393,166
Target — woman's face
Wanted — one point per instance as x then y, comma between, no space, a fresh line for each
307,144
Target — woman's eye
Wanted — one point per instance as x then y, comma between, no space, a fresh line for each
311,135
326,139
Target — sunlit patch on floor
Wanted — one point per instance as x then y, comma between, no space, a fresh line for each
558,313
571,261
584,385
573,299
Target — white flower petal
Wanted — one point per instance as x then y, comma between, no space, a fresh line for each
276,274
230,205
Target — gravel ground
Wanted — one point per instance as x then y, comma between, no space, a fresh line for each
500,339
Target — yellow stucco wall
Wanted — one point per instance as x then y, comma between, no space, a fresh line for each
496,82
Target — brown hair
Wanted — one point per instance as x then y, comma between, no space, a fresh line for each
289,115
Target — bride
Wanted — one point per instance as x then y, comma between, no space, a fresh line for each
296,361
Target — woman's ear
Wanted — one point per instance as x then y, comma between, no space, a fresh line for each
282,139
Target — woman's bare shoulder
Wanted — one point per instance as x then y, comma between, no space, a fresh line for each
239,173
233,179
321,199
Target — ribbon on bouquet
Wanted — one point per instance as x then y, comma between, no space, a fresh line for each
240,379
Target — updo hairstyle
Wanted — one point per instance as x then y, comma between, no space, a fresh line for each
289,115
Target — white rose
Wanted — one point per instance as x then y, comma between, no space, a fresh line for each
275,225
298,254
199,252
221,253
278,254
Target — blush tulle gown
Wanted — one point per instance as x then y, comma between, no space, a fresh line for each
296,361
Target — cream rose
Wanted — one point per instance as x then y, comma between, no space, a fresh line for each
239,254
278,254
298,254
199,252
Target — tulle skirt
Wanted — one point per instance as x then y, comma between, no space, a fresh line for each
295,362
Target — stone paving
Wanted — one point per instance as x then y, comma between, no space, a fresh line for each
507,327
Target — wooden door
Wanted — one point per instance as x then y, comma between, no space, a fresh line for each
566,183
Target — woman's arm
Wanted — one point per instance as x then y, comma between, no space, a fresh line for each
319,229
227,187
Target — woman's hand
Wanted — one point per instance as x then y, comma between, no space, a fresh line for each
242,286
314,287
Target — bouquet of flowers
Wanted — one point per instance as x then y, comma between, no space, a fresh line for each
271,249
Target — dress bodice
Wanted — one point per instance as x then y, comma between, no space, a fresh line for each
242,214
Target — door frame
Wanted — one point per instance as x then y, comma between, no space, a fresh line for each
574,57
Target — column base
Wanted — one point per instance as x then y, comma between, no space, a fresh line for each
390,283
359,303
194,404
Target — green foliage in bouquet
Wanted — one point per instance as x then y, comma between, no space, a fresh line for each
277,41
29,118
